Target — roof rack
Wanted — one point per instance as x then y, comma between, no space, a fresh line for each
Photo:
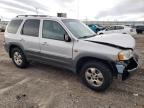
32,16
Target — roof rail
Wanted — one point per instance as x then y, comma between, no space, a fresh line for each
32,16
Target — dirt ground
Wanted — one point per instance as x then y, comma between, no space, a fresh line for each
43,86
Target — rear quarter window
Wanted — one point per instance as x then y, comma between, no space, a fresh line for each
13,26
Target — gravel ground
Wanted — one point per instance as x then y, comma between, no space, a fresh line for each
43,86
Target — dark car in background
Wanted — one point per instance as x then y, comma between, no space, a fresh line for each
95,27
139,28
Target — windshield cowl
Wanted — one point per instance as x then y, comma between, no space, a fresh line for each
89,36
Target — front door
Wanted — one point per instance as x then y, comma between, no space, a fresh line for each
53,46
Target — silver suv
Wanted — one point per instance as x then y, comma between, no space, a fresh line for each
70,44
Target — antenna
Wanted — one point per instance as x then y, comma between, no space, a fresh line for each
36,9
77,9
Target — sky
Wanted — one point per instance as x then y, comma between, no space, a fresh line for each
98,10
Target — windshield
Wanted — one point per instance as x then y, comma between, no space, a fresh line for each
78,29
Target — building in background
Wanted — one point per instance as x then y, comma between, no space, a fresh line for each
61,15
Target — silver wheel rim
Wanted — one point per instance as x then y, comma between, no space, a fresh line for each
94,77
17,58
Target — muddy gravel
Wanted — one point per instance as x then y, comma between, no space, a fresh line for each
43,86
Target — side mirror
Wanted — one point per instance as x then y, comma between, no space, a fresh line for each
67,38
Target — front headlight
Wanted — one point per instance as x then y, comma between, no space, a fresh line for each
125,55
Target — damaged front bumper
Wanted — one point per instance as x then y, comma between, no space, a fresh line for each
127,68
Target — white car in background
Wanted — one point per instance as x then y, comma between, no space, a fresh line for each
3,25
118,29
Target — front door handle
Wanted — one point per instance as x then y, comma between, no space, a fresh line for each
44,43
21,39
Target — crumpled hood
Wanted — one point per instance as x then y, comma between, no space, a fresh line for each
115,39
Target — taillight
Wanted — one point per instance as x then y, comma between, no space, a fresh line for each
131,30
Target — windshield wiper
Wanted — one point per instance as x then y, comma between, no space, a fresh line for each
88,36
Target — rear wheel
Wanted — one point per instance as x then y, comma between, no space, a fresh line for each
96,75
19,58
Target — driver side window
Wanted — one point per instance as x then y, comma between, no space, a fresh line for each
53,30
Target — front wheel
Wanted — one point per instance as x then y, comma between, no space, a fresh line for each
96,75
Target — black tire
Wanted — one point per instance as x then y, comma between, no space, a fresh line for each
139,32
3,31
124,33
100,33
24,63
105,71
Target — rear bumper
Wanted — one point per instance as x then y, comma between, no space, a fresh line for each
127,68
6,47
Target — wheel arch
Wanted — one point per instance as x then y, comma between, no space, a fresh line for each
14,45
109,64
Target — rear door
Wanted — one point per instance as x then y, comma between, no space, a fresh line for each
53,47
30,37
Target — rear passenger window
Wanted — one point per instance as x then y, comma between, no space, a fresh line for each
13,26
31,27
